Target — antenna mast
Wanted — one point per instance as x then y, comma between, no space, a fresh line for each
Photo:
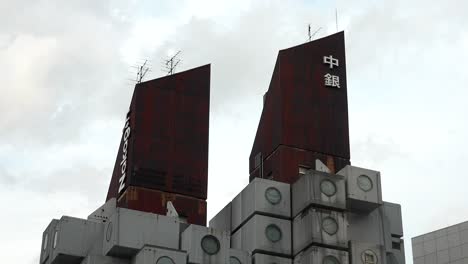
142,72
171,63
311,36
336,18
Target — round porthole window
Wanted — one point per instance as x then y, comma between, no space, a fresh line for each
109,232
328,187
165,260
329,225
210,245
55,239
273,233
273,195
369,257
364,183
330,260
234,260
46,240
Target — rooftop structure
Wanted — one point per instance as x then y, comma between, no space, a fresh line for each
304,204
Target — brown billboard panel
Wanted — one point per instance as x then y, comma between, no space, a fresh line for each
164,143
306,104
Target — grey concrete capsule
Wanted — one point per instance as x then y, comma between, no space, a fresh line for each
397,253
318,188
264,196
154,255
367,228
205,245
222,220
47,241
93,259
264,234
268,259
127,231
393,218
74,239
366,253
237,256
319,226
104,212
321,255
364,192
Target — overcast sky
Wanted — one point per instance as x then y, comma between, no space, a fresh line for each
65,68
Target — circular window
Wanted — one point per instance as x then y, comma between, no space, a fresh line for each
165,260
44,243
234,260
55,239
369,257
364,183
330,260
109,232
328,187
273,233
329,225
210,245
272,195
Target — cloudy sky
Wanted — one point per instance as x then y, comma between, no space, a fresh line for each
65,68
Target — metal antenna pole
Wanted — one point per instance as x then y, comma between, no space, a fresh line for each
171,63
142,70
336,18
313,34
310,36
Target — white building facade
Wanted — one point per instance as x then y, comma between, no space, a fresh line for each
444,246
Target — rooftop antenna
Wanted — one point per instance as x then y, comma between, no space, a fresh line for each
142,70
311,36
336,18
171,63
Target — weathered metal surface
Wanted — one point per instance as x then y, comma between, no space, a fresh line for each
222,220
127,231
319,254
164,144
47,241
95,259
363,188
192,239
74,239
368,228
393,219
300,111
253,236
309,191
191,209
268,259
255,199
152,255
319,227
367,253
243,256
283,164
105,211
